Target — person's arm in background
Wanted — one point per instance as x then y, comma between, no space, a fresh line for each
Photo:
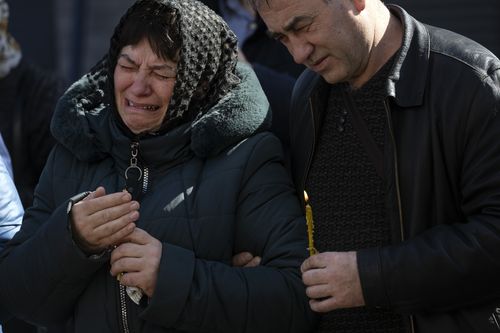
11,211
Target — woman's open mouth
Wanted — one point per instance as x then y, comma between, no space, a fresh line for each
147,107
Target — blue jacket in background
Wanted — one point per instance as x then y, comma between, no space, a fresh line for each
11,209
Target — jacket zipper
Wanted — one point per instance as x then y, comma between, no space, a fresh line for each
398,190
144,172
309,161
396,170
145,180
123,307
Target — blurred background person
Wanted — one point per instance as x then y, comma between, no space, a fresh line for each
28,96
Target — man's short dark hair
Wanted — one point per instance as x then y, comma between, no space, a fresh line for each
255,3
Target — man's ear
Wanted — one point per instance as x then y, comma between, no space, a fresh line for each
359,5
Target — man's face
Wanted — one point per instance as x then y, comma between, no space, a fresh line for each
329,37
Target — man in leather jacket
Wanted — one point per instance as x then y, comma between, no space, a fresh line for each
394,136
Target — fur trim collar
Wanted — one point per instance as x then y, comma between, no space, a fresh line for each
82,115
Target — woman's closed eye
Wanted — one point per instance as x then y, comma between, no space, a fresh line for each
127,68
164,76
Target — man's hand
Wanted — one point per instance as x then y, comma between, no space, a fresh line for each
245,259
139,259
102,220
332,281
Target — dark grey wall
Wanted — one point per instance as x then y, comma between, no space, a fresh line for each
476,19
32,24
46,29
97,21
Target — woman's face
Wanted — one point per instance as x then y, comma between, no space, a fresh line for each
144,84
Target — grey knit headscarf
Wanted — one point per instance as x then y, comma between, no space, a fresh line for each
208,57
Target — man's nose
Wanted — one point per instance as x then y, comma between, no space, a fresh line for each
300,49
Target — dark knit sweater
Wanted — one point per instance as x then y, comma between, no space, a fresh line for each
347,194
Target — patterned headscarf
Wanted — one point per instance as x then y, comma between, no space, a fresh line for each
10,52
207,58
222,102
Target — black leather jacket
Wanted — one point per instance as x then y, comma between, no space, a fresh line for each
442,174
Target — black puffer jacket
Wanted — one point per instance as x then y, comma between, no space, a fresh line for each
442,173
204,210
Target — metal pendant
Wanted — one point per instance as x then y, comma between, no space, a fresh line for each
135,294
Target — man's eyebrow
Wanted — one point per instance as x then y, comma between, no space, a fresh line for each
292,24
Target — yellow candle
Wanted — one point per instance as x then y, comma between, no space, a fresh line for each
310,226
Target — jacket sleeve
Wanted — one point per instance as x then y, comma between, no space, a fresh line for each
194,294
11,213
42,272
455,262
11,209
